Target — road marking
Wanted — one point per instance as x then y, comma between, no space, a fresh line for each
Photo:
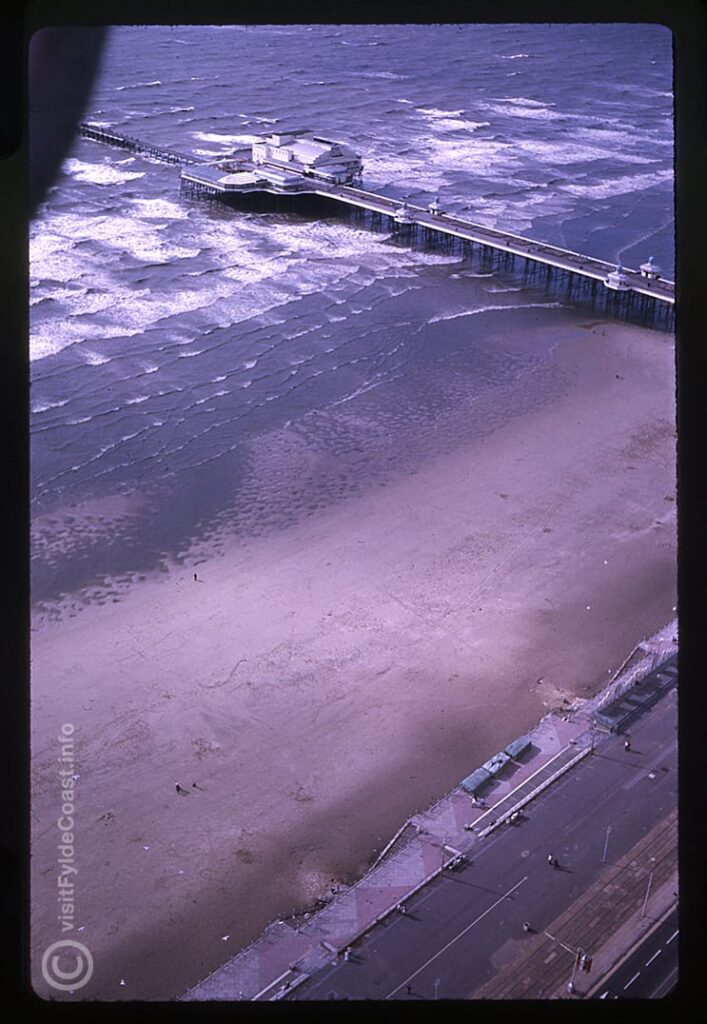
457,937
652,958
636,975
604,994
676,932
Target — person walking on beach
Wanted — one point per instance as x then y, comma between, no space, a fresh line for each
196,578
182,792
627,744
552,861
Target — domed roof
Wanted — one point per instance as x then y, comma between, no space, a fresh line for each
617,279
651,267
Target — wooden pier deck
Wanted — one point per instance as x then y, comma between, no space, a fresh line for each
99,134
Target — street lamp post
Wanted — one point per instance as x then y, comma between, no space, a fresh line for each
570,983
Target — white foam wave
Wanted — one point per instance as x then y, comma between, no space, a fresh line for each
380,74
138,85
619,186
436,112
225,140
514,56
98,174
95,358
518,110
489,309
138,400
160,208
46,406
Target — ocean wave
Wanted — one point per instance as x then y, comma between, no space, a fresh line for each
380,74
518,109
98,174
489,309
619,186
224,139
46,406
137,85
95,358
160,208
436,112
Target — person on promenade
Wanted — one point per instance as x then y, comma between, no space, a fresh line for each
627,744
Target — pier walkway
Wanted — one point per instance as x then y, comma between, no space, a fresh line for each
410,219
515,245
99,134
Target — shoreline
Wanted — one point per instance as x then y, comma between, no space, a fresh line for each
328,680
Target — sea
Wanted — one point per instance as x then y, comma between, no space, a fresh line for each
202,374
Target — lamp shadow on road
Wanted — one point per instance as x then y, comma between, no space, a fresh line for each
626,759
475,885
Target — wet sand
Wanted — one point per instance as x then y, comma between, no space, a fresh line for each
321,683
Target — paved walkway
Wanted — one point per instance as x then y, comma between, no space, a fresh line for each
289,952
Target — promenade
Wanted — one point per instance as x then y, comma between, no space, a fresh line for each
431,843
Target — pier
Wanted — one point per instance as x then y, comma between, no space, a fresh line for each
297,164
99,134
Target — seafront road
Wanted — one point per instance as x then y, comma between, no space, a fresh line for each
651,969
611,824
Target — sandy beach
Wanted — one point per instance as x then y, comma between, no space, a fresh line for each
321,683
